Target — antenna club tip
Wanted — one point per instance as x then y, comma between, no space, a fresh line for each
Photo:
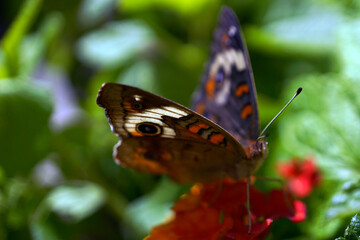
299,91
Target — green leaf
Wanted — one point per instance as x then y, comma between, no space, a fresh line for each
92,12
33,48
348,49
24,126
15,199
346,201
143,214
77,201
13,37
325,122
183,7
141,75
115,44
3,67
42,230
352,232
305,30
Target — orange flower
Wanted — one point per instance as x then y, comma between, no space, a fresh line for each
213,212
301,176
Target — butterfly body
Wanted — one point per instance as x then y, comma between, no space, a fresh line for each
163,137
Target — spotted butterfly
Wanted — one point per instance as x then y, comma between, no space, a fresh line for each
162,137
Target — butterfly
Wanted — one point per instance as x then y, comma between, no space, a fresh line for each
220,140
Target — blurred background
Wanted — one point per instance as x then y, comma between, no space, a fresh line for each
57,176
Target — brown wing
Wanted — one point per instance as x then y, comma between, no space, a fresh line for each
183,161
161,136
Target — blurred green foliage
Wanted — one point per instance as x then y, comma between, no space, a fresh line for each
57,176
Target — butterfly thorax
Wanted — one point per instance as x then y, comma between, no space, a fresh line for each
256,152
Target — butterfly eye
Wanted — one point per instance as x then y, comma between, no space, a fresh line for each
148,128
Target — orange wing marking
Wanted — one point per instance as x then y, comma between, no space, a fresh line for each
243,88
210,87
246,111
216,138
136,134
224,40
196,127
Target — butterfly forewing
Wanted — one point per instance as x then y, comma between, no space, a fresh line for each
227,93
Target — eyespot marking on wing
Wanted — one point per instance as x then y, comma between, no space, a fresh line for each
154,116
246,111
149,129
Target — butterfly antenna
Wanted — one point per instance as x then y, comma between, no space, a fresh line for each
296,94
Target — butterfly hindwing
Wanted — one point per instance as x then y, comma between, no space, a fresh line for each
183,161
161,136
227,93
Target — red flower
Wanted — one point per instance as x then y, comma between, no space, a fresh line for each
210,212
301,176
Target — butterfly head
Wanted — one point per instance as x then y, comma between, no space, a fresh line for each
257,151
